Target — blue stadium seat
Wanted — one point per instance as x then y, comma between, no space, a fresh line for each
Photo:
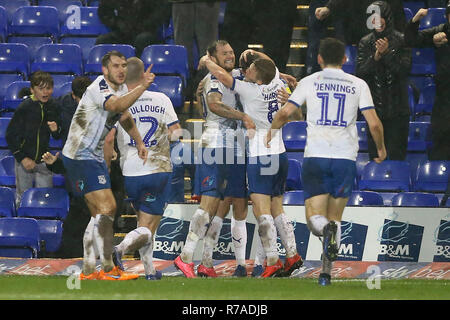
415,199
62,90
362,128
440,197
295,197
432,176
50,203
426,100
421,81
362,159
85,43
5,80
415,159
387,197
59,58
12,100
295,155
294,180
414,6
423,61
19,238
94,62
408,14
60,5
419,136
89,25
435,17
390,175
14,58
167,59
7,202
171,86
411,102
5,153
33,43
12,5
4,122
35,20
7,172
294,135
50,232
3,24
365,198
60,79
350,64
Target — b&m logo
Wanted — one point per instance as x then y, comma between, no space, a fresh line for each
442,240
353,239
170,238
399,241
224,249
301,233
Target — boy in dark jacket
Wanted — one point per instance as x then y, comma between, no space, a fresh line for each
28,134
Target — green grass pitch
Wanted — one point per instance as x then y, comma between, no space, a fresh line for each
179,288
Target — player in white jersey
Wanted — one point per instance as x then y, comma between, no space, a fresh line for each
333,98
158,124
266,168
218,160
99,108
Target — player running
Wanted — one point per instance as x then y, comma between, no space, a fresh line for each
332,98
99,109
158,124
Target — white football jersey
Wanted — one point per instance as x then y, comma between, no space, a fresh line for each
91,122
332,98
219,132
153,113
261,104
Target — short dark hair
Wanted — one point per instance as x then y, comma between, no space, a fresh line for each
41,78
212,48
332,51
136,68
79,85
113,53
251,57
266,70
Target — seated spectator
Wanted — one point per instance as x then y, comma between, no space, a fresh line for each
134,22
67,104
28,134
384,63
436,37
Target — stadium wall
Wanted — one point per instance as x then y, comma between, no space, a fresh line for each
368,234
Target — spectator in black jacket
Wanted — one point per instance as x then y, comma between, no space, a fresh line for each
436,37
29,131
134,22
352,21
68,103
384,63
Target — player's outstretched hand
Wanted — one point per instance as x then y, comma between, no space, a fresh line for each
420,14
49,158
142,151
149,77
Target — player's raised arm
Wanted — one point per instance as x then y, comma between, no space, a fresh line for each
217,71
122,103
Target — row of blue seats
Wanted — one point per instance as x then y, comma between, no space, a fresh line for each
388,176
36,226
380,199
419,137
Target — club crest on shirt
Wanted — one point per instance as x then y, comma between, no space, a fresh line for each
102,179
